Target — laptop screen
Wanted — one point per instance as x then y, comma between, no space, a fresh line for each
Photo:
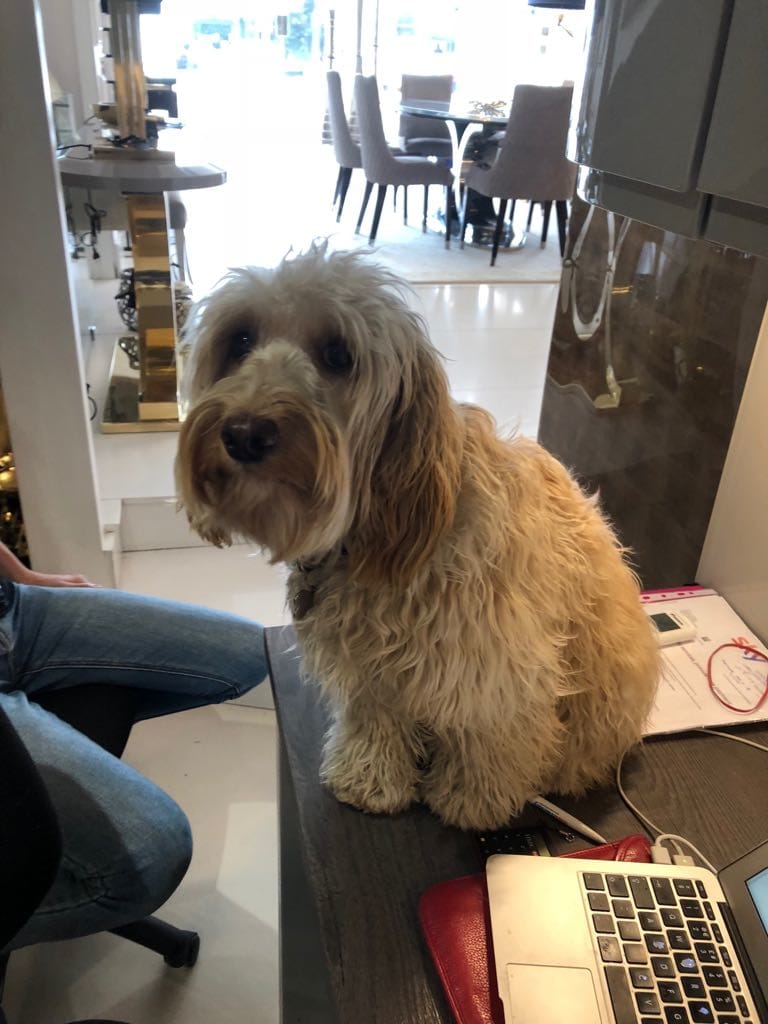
758,890
745,884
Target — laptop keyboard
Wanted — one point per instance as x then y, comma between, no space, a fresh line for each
665,957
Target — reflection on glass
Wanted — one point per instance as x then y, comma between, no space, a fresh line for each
652,341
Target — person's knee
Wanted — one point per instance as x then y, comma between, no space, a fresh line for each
173,854
125,880
152,868
167,853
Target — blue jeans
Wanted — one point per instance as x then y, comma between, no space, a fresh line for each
126,843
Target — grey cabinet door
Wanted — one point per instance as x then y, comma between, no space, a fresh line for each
651,76
735,162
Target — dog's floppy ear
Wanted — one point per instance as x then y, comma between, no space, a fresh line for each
415,480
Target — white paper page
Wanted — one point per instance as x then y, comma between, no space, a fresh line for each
684,700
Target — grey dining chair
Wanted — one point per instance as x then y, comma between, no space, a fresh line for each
383,169
345,149
531,162
423,136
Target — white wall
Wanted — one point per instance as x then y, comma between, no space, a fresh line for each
40,360
71,34
735,555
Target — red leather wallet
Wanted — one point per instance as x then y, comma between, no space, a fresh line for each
456,924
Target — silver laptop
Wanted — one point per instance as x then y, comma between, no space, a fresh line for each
595,942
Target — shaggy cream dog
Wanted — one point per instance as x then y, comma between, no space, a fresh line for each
465,607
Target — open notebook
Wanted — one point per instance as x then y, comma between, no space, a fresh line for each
684,700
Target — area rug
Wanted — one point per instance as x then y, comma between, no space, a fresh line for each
423,258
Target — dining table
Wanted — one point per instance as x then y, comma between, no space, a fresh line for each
462,123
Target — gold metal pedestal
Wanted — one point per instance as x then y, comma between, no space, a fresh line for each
122,405
142,395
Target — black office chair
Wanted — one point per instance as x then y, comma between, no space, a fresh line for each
30,839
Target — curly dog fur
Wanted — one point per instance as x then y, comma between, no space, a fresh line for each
464,605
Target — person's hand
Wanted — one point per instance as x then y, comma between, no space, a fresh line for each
46,579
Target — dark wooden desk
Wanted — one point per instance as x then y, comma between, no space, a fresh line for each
351,950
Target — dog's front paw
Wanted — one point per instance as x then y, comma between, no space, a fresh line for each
469,812
375,795
369,782
466,796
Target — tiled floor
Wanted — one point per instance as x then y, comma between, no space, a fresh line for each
220,763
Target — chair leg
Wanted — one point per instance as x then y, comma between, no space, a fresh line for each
405,204
561,209
545,226
464,216
497,232
337,190
426,209
4,958
366,197
448,217
511,222
343,194
380,196
178,947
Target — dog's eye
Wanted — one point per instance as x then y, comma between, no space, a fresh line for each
337,356
239,344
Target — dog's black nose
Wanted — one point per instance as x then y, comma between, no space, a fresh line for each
248,438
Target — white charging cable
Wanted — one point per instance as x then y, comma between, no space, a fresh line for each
659,853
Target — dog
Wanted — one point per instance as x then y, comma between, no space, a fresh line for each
465,606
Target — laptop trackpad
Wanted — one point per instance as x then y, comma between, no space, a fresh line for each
550,995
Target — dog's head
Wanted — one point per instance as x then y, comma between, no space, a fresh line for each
318,415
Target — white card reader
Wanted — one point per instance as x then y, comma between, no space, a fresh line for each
671,628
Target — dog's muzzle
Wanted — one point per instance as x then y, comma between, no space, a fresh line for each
249,439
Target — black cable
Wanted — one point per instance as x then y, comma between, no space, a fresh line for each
91,403
94,215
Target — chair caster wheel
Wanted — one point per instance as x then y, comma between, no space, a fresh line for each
186,952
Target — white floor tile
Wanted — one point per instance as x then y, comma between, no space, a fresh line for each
492,359
488,306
